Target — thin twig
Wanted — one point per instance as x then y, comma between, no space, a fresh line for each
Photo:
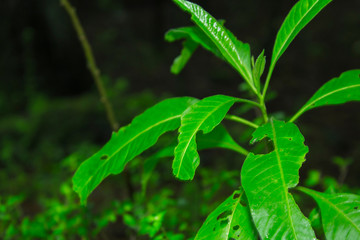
91,63
95,72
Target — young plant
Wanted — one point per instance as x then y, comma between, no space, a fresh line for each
264,205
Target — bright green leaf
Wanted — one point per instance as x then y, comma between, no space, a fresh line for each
266,179
340,214
189,47
129,142
258,69
337,91
234,51
202,116
230,220
217,138
299,16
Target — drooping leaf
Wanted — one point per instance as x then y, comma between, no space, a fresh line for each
258,69
129,142
196,34
299,16
230,220
234,51
217,138
337,91
340,214
189,47
202,116
266,179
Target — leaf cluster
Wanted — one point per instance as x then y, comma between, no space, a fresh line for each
264,205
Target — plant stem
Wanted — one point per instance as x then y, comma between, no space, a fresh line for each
241,120
91,63
267,81
263,109
95,72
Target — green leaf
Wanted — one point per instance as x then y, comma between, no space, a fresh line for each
337,91
230,220
258,69
217,138
299,16
266,179
234,51
340,214
189,47
129,142
197,35
202,116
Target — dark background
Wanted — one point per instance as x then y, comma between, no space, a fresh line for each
49,104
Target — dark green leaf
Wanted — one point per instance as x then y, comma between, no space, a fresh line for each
231,220
340,214
337,91
202,116
234,51
129,142
299,16
266,179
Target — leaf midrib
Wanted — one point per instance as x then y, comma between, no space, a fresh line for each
282,178
330,93
341,213
292,31
233,212
196,130
212,36
125,144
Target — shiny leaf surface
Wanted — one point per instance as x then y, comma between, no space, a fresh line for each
234,51
266,179
230,220
129,142
340,214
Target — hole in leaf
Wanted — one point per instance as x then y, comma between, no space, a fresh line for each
224,223
236,227
236,196
290,139
224,214
104,157
243,203
214,228
356,207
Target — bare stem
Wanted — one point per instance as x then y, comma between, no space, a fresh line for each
91,63
241,120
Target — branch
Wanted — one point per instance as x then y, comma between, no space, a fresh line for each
91,64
